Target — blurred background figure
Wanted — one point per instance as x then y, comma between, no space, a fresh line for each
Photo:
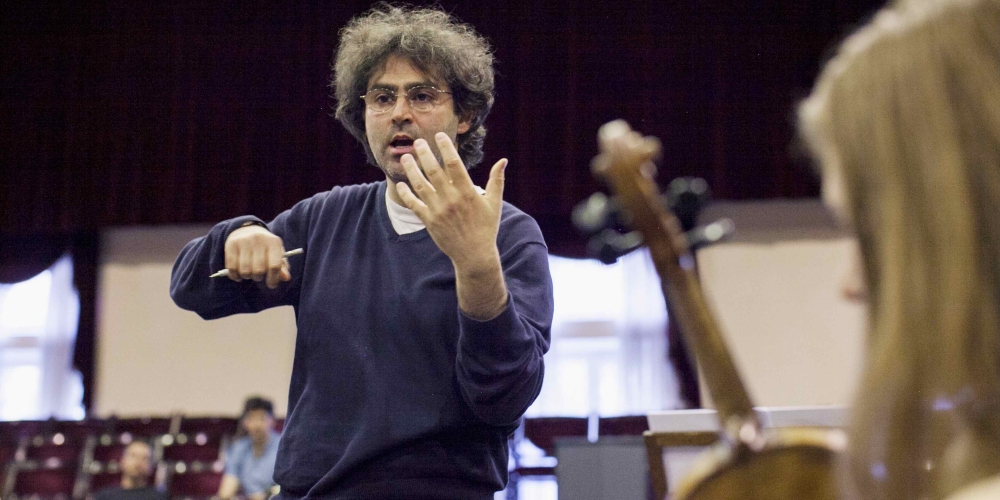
136,466
905,123
250,460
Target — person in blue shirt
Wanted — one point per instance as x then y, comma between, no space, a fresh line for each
423,303
250,460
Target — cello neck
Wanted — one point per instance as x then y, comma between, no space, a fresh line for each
626,163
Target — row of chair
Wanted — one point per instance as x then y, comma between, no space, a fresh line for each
63,460
69,460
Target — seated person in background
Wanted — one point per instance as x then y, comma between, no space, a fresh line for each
905,123
136,466
250,460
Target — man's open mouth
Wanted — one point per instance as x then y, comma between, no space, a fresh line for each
401,145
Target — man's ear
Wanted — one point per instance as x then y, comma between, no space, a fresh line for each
464,124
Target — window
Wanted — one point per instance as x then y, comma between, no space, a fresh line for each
609,348
38,322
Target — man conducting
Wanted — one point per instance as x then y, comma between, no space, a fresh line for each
423,303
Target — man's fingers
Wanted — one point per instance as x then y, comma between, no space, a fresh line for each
279,274
453,164
258,266
233,262
494,186
410,200
246,263
255,253
418,183
286,271
273,277
429,164
275,264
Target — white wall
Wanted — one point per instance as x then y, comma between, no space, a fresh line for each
154,358
776,291
774,288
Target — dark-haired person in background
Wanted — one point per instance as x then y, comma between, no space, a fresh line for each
250,460
136,465
423,303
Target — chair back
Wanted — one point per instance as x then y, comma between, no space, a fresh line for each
44,483
629,425
543,431
194,485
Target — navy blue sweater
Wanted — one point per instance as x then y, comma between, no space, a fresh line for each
394,392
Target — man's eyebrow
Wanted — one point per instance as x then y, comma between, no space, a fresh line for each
425,83
408,86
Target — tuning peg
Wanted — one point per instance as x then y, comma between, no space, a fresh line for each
686,196
609,245
596,213
715,232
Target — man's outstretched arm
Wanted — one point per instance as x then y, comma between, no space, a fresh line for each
246,248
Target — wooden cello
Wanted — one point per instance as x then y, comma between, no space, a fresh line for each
749,462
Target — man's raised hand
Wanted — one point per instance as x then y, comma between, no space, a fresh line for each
463,223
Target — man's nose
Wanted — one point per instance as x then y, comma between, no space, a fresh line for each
401,110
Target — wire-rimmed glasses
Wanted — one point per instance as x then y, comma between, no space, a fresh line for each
422,98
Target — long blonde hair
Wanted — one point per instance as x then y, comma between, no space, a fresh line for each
907,117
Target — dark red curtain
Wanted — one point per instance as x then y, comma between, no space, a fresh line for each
121,113
21,258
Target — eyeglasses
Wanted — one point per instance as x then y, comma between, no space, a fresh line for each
423,98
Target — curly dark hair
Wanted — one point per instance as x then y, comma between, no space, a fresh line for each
436,44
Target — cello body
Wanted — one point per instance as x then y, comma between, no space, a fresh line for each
795,463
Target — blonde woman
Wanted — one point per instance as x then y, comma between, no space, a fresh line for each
905,123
